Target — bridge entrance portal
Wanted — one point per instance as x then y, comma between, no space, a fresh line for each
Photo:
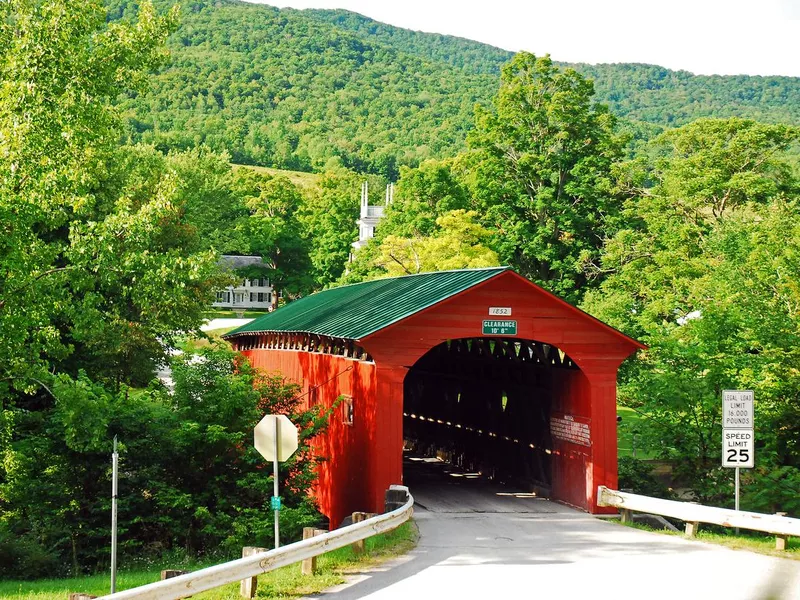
485,405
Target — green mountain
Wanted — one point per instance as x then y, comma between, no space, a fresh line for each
635,91
307,89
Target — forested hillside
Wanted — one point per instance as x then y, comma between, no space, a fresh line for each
306,90
636,91
278,88
472,56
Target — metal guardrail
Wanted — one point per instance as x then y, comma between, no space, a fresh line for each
698,513
252,566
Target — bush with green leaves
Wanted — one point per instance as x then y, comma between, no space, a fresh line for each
705,273
637,477
189,479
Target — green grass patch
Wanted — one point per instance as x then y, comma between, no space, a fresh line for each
627,437
189,345
287,582
753,541
298,178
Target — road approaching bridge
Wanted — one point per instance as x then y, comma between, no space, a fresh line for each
479,540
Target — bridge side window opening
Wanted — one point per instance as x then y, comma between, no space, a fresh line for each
484,404
347,410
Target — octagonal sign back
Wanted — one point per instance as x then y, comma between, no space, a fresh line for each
266,431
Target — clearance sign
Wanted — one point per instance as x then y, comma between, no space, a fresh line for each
498,327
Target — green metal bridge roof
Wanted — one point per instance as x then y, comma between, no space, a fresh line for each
355,311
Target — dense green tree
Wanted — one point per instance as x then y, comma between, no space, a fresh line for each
212,204
458,242
422,195
698,174
329,219
103,265
272,229
541,172
425,228
190,477
704,274
94,269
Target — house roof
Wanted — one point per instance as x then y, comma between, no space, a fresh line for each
355,311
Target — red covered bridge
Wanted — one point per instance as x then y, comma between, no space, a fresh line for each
480,364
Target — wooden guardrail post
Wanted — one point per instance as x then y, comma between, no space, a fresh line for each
780,539
626,515
170,573
691,528
395,497
247,587
359,547
309,565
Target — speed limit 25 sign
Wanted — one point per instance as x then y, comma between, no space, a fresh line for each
738,448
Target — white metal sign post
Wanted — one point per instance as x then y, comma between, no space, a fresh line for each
275,439
114,477
738,433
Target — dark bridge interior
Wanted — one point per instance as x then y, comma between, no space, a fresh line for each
484,405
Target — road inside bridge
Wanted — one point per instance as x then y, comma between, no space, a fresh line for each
483,541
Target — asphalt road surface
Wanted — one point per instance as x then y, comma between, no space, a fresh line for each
482,541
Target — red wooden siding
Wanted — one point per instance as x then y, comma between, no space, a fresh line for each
345,479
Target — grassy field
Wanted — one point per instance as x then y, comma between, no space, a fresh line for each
229,314
287,582
626,430
298,178
192,344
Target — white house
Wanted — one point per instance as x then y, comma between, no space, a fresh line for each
250,293
370,216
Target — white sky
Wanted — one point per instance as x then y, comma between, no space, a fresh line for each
754,37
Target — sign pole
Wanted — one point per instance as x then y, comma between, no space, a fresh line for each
738,435
275,481
114,474
737,494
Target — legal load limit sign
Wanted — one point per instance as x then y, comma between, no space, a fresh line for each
737,409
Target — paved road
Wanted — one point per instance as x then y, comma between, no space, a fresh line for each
487,542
